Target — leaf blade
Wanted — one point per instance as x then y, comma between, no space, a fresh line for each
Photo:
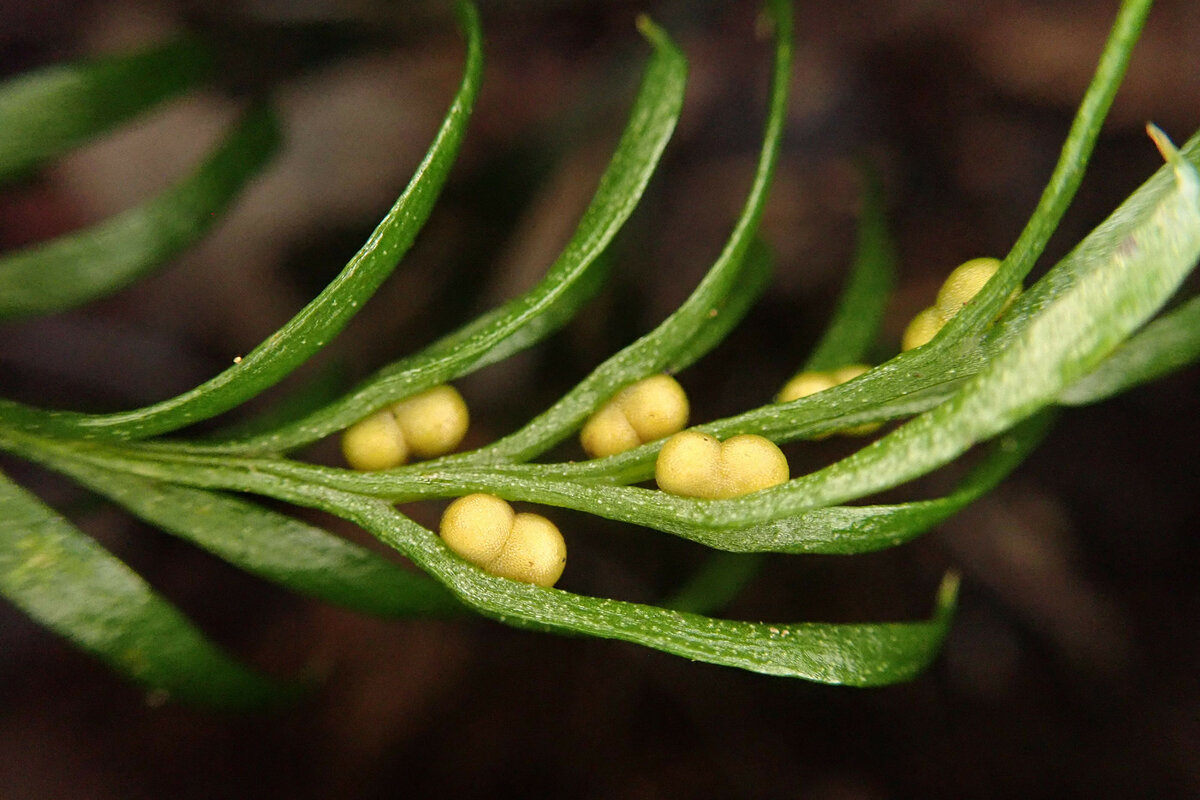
271,545
324,317
71,585
82,266
868,654
569,281
49,111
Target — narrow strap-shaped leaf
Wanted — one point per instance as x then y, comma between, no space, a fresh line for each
567,284
1066,273
857,654
859,313
847,530
954,352
1066,177
1167,344
49,111
79,267
1130,266
269,544
835,530
318,322
70,584
870,654
715,583
722,297
832,530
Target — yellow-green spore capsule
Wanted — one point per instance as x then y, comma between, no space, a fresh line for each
694,464
809,383
428,424
804,384
848,373
923,327
375,443
485,531
961,285
433,422
689,465
534,553
751,463
649,409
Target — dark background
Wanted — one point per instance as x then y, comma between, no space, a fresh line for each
1071,670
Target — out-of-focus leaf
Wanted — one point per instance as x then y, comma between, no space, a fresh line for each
79,267
47,112
71,585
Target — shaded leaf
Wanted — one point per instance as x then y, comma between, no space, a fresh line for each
79,267
71,585
311,329
50,111
271,545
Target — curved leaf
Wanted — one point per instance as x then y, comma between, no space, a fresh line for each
870,654
318,322
859,313
79,267
857,654
47,112
568,283
70,584
1167,344
722,297
269,544
1127,268
1067,175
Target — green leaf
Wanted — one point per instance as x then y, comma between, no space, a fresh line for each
1167,344
52,110
1064,181
71,585
317,323
954,352
859,313
846,530
271,545
1125,271
716,583
568,283
870,654
79,267
757,527
722,297
857,654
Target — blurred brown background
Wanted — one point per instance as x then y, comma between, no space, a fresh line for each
1072,667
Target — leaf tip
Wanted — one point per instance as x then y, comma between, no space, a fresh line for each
647,27
1164,144
947,595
